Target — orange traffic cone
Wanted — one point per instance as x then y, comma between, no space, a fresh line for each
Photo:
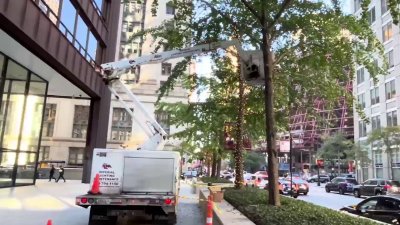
49,222
96,186
209,219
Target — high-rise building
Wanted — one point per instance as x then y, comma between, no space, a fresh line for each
379,101
49,50
65,126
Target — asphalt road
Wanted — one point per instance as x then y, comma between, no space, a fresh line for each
332,200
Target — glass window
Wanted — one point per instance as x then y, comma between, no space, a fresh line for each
92,46
170,8
387,204
384,6
49,120
16,72
360,75
391,118
369,204
371,15
166,68
376,122
357,5
361,100
390,89
98,4
362,128
163,118
121,128
81,117
68,14
44,153
390,58
1,62
75,156
374,96
373,182
387,32
81,33
7,161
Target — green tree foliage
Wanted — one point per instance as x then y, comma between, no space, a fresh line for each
386,139
314,43
336,147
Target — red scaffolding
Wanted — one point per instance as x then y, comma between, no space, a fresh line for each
307,127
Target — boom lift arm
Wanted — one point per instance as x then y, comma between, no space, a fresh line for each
252,71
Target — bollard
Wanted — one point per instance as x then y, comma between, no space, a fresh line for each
209,219
49,222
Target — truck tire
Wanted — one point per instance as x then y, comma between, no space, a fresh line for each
98,216
171,218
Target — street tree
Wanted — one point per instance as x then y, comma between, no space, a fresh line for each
314,43
388,140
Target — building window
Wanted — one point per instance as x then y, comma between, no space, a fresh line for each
360,75
44,153
375,96
121,127
163,119
361,100
371,15
166,68
390,58
387,32
376,122
362,129
170,8
49,119
357,5
378,164
75,156
384,6
390,89
391,118
81,117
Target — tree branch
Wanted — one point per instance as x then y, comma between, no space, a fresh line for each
220,13
284,6
251,9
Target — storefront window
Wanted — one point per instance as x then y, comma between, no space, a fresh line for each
21,112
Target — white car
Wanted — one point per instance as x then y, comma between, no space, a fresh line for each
226,175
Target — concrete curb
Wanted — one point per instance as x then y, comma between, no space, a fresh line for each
223,212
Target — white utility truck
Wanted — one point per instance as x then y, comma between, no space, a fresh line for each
146,179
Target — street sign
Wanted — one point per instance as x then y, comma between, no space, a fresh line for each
284,146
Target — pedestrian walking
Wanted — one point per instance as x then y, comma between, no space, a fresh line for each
61,174
52,170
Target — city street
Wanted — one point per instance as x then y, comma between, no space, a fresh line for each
56,201
333,200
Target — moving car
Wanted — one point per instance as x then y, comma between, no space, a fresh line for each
322,179
257,181
226,175
376,187
284,187
341,184
382,208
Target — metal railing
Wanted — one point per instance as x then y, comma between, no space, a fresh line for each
45,9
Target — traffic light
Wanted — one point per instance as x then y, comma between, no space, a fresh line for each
320,163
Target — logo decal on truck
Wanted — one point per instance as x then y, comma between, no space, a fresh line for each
106,166
102,154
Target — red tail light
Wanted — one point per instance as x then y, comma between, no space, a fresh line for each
84,200
387,186
168,201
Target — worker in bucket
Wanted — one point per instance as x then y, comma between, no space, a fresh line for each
61,174
51,175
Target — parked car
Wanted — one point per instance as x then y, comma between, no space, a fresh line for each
382,208
322,179
341,184
376,187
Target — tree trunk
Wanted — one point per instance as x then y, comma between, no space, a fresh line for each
274,198
214,164
219,162
239,134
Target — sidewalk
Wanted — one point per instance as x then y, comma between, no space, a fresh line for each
34,205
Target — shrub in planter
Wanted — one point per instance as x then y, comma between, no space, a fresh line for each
253,203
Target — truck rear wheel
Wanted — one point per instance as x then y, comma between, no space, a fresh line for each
98,216
171,218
